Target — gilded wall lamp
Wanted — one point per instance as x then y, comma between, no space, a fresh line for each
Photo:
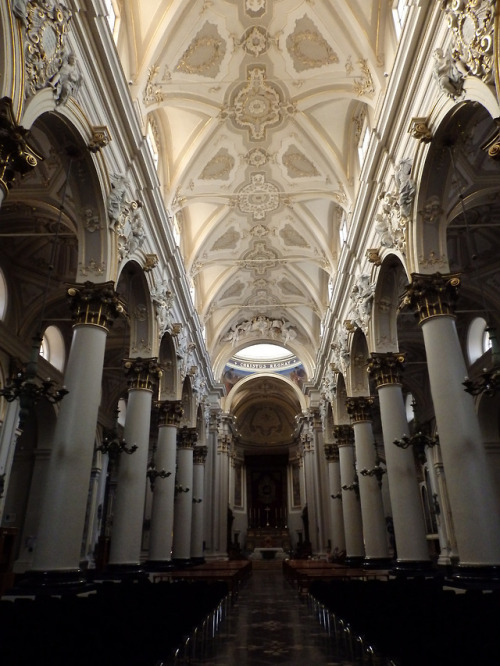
153,474
418,440
377,471
113,444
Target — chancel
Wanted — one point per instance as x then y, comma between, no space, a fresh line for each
249,308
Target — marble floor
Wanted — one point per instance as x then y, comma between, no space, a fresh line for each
269,624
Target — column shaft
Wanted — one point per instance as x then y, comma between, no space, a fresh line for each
126,535
63,509
183,505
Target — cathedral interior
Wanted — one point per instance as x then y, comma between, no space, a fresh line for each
249,300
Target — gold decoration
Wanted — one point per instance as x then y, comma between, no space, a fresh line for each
47,25
473,23
205,53
308,48
152,93
151,261
373,256
386,368
419,130
364,85
100,138
16,155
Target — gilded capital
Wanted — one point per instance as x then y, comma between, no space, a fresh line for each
142,373
170,412
186,437
360,408
432,295
386,368
224,443
200,455
16,155
94,304
332,452
344,435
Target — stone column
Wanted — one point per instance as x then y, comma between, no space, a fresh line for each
162,511
372,508
351,508
473,500
439,494
57,555
408,517
8,438
89,534
221,486
183,505
199,459
335,495
309,449
128,515
16,154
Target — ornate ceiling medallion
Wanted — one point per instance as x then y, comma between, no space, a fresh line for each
257,157
257,105
205,53
258,197
47,25
255,41
298,165
260,258
308,48
219,166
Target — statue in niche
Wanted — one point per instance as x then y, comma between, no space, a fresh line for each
163,300
116,198
449,78
362,296
406,186
68,80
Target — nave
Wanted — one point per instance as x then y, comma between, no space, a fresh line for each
268,624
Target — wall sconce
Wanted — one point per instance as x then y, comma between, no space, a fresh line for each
378,471
197,500
152,474
419,441
28,388
181,489
338,495
112,444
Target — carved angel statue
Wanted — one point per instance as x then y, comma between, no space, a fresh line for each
68,80
163,299
449,78
116,197
20,10
406,186
362,296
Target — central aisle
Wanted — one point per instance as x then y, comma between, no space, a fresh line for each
269,624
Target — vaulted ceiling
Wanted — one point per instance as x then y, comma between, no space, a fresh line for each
257,107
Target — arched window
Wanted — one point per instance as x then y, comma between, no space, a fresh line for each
478,340
52,348
113,16
399,12
409,406
3,295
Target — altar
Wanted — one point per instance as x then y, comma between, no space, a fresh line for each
268,540
268,554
